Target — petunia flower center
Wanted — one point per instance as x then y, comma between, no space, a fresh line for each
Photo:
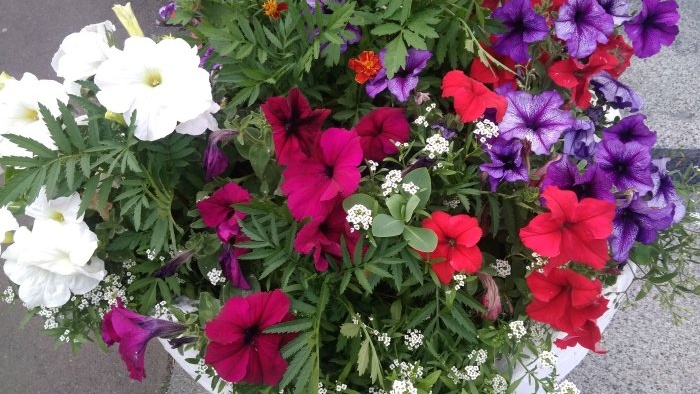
329,170
451,242
153,78
250,333
57,216
620,168
31,115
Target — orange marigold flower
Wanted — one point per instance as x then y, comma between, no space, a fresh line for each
365,66
273,9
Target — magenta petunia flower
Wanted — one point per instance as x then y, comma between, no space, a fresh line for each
238,349
631,129
380,129
634,221
295,126
535,118
404,80
322,236
312,185
133,331
524,26
217,211
627,165
583,24
655,25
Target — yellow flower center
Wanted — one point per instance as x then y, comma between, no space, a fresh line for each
153,78
58,216
30,115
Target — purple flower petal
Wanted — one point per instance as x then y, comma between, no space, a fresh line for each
592,184
404,80
617,94
627,165
524,26
655,25
631,129
617,9
664,193
580,140
506,164
583,24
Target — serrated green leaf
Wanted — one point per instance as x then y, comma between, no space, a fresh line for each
31,145
363,357
386,29
349,330
300,359
362,280
414,40
396,54
295,325
17,185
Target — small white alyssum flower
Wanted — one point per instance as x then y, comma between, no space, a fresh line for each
499,384
8,295
502,268
215,276
566,387
360,217
372,165
410,188
403,387
547,359
517,329
478,356
391,182
413,339
436,145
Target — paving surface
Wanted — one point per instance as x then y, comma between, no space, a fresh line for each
647,354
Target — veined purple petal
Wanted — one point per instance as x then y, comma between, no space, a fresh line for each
655,25
617,9
524,26
631,129
404,80
583,24
627,165
506,164
663,194
535,118
617,94
622,239
580,140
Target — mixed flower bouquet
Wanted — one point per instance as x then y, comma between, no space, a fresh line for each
350,196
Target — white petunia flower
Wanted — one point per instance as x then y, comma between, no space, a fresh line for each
201,123
82,53
7,223
62,209
51,261
19,111
162,82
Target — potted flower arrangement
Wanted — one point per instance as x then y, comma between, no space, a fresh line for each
350,196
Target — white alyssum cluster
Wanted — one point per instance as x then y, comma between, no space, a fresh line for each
566,387
451,203
547,359
8,295
469,373
105,296
459,280
392,180
502,268
50,314
56,257
410,188
359,217
216,277
486,130
479,356
413,339
421,121
382,338
403,387
436,145
65,337
539,333
517,329
499,384
538,263
373,165
406,370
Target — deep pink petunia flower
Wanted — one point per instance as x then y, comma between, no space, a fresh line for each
322,236
295,126
238,350
133,331
217,211
312,185
378,131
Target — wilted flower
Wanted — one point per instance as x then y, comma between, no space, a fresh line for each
664,193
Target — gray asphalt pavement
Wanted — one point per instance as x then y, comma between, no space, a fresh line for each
647,354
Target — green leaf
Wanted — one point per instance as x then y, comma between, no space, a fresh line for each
301,359
395,203
295,325
421,178
384,225
422,239
411,206
395,58
386,29
71,127
350,330
363,357
31,145
361,199
209,307
362,280
19,184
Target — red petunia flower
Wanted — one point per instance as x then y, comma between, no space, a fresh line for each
618,47
575,75
313,185
378,131
274,10
295,126
365,66
565,299
572,230
238,350
554,7
494,74
322,236
456,249
471,97
217,212
587,336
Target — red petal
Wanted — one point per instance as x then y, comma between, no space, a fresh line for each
543,235
466,259
444,271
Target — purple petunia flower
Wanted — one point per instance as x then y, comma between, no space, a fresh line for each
214,159
205,56
580,140
634,221
617,94
655,25
617,9
166,12
171,267
447,133
663,193
231,268
524,26
583,24
631,129
627,165
592,184
404,80
507,163
535,118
